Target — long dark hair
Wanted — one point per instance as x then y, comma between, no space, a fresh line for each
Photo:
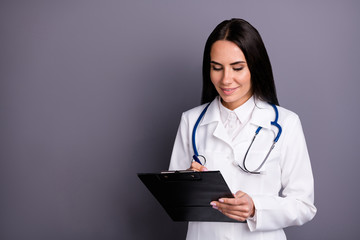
248,39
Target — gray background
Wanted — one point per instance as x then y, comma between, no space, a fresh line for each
91,92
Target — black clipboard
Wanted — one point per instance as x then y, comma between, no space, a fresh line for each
186,195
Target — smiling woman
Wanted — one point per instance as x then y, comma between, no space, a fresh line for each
230,74
239,99
249,42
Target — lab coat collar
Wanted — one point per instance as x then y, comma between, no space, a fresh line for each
262,115
212,113
213,116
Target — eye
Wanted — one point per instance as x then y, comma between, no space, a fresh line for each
238,69
216,68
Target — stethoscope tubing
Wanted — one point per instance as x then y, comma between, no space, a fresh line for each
256,171
196,154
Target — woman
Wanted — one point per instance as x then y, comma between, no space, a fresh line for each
270,192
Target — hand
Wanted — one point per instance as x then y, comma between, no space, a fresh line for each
195,166
239,208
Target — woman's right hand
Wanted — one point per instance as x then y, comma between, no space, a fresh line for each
195,166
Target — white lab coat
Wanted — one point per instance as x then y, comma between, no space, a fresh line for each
283,195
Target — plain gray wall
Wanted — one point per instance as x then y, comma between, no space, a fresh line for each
91,92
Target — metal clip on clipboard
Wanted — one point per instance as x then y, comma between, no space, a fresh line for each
180,176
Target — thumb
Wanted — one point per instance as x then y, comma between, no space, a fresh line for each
239,194
203,169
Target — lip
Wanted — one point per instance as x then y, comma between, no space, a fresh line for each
228,91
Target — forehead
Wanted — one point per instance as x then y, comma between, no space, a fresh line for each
226,51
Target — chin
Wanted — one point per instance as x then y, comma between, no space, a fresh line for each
228,99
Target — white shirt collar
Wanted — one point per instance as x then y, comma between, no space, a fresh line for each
242,113
262,115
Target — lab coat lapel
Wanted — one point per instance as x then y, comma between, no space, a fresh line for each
263,115
213,116
220,132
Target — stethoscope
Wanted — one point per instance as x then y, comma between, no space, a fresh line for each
202,160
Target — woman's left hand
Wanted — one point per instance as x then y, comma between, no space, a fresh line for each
240,208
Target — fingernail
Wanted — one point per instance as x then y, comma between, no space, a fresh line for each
221,200
215,207
213,204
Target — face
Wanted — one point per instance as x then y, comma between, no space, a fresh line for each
230,74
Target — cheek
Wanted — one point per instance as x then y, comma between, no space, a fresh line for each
248,77
215,77
245,79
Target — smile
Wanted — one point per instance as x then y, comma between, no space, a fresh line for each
228,91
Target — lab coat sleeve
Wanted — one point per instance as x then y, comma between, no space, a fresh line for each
182,151
294,205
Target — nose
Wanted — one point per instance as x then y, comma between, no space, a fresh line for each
227,77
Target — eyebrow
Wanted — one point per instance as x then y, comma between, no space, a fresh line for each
234,63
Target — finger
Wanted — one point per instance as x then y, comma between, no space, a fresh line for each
239,194
203,169
243,209
234,214
239,213
226,207
236,217
232,201
249,201
195,166
235,206
242,203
